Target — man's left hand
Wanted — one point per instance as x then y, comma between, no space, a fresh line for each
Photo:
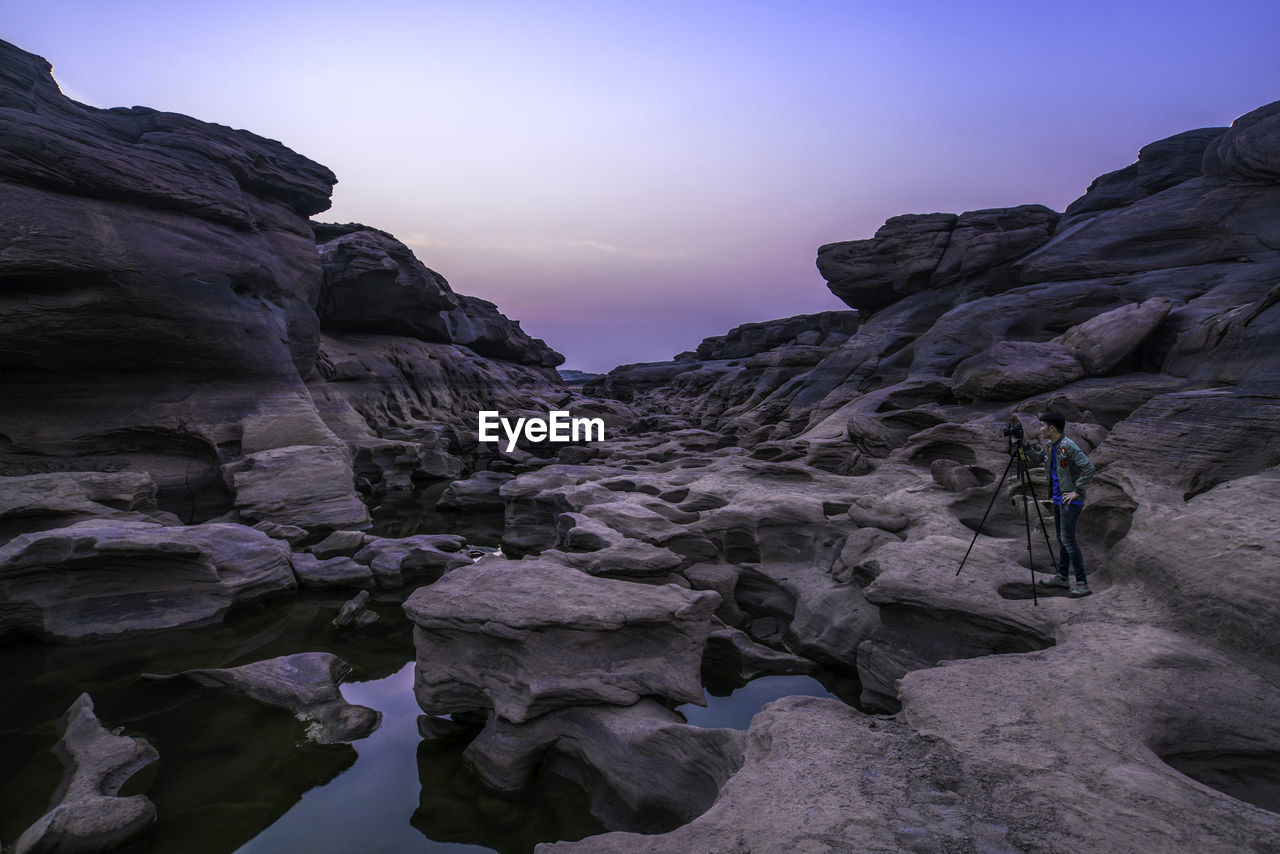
1069,497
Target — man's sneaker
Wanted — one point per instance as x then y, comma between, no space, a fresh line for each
1081,589
1056,581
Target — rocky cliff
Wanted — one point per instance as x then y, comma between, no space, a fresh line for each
179,338
167,307
830,502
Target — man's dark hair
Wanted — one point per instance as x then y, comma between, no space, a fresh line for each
1057,419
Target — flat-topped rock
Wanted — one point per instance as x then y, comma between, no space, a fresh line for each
103,577
521,638
56,499
537,594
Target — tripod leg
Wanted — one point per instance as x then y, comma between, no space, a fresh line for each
1024,480
994,494
1043,527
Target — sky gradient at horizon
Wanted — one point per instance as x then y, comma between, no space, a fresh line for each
629,178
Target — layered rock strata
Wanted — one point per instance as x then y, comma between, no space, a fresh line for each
180,344
591,641
573,674
851,490
101,578
169,308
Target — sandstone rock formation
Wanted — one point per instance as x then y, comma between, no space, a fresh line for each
87,813
156,291
395,562
569,671
306,684
832,506
644,768
796,494
101,578
165,310
180,343
354,614
591,641
477,492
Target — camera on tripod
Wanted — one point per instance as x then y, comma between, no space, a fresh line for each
1017,457
1013,430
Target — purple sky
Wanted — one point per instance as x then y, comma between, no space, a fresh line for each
628,178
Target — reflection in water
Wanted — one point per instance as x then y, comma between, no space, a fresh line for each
368,807
455,805
404,514
735,710
236,775
228,766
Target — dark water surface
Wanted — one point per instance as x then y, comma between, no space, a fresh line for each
735,710
235,775
405,513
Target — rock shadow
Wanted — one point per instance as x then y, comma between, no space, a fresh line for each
1249,776
454,805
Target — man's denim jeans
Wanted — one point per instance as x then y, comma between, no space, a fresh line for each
1065,519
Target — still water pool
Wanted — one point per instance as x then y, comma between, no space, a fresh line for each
237,776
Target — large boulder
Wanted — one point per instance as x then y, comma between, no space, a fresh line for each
101,577
985,239
310,486
1250,148
521,638
1102,342
1012,370
871,274
396,562
374,283
645,769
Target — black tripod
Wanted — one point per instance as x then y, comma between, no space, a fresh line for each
1017,457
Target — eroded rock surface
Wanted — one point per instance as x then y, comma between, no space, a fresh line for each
521,638
101,578
87,813
645,769
795,493
833,505
305,683
244,358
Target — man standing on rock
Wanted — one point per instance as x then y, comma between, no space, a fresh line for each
1069,474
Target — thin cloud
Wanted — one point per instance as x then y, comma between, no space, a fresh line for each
422,241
